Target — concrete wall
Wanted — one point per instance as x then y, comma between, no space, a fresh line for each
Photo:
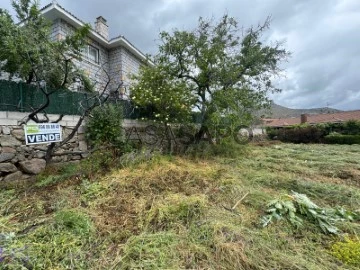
19,161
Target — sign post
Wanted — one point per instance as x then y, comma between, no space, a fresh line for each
42,133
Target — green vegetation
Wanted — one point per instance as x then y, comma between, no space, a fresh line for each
297,206
104,126
218,69
347,251
28,51
342,139
189,212
331,133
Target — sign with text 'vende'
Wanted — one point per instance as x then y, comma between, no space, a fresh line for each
42,133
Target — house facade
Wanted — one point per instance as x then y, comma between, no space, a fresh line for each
102,57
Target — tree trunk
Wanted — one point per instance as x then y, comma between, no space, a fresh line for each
49,153
204,130
168,138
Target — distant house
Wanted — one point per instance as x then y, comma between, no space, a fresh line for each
116,57
313,119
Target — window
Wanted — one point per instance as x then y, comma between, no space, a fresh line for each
91,53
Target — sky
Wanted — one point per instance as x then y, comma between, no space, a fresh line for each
323,37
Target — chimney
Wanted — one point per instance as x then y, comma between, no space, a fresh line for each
101,27
303,118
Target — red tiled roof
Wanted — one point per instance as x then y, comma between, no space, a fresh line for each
314,119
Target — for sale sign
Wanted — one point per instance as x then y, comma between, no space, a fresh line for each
42,133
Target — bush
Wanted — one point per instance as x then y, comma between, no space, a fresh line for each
104,127
342,139
298,134
314,134
352,127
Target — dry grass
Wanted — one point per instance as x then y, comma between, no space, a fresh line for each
181,213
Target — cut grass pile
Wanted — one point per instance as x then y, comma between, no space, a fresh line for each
184,213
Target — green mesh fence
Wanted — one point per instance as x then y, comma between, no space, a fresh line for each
21,97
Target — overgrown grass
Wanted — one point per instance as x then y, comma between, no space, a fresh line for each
166,212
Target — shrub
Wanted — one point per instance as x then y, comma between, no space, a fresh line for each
105,126
298,134
342,139
348,251
352,127
314,134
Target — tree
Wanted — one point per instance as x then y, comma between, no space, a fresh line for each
28,51
226,69
167,99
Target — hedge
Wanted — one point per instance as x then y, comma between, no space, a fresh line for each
342,139
298,134
316,134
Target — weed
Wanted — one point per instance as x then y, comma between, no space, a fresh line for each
176,210
226,148
134,158
347,251
91,191
171,212
150,251
55,174
73,221
298,206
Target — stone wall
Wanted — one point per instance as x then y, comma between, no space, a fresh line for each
118,62
96,71
130,65
123,64
19,161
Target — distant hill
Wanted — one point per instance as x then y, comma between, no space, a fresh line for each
278,111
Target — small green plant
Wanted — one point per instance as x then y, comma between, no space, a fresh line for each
74,221
136,157
347,251
99,161
105,126
294,208
91,191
